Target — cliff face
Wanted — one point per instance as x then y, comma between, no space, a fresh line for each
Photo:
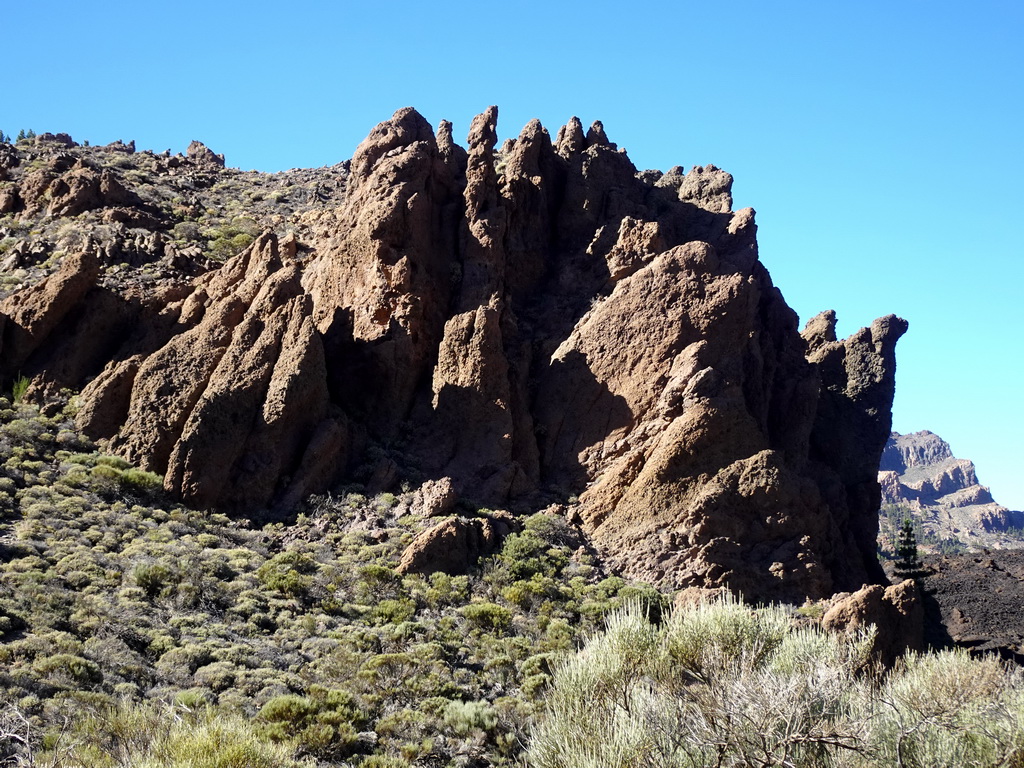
533,322
919,474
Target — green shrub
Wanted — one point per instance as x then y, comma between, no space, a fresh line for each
217,676
184,660
523,555
465,717
384,761
113,461
206,740
488,616
393,611
66,666
948,709
447,590
141,481
228,241
153,578
24,431
19,388
322,725
288,572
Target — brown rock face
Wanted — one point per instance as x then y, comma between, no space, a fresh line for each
32,316
198,152
897,613
73,191
453,545
530,322
227,407
435,498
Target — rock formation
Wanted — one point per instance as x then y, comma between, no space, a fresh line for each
896,612
528,323
921,478
453,545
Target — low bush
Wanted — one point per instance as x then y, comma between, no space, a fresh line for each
488,616
149,736
725,684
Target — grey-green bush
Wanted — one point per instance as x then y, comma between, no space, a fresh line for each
723,684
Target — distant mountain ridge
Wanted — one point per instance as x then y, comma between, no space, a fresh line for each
919,474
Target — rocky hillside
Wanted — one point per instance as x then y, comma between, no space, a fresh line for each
532,324
921,478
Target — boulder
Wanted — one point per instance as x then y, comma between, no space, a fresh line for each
897,613
35,313
452,546
435,498
9,200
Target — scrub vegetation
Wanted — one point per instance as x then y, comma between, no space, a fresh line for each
132,627
136,632
722,684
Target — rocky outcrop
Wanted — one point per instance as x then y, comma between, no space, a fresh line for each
228,406
896,612
199,153
57,192
530,323
453,545
32,316
921,478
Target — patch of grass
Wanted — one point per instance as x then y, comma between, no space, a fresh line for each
19,388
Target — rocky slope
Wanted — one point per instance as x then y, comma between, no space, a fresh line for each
973,601
921,478
537,323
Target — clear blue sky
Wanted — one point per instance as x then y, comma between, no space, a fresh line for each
880,142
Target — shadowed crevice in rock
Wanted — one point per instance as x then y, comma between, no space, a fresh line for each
576,416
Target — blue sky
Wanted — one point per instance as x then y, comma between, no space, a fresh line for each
879,142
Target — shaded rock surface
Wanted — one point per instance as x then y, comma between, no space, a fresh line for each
453,545
531,323
922,479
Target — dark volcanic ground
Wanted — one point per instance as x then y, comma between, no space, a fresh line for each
979,599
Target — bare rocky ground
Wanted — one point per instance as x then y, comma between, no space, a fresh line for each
149,216
976,601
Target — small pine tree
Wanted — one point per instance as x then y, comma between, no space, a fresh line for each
908,559
3,138
21,134
30,134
